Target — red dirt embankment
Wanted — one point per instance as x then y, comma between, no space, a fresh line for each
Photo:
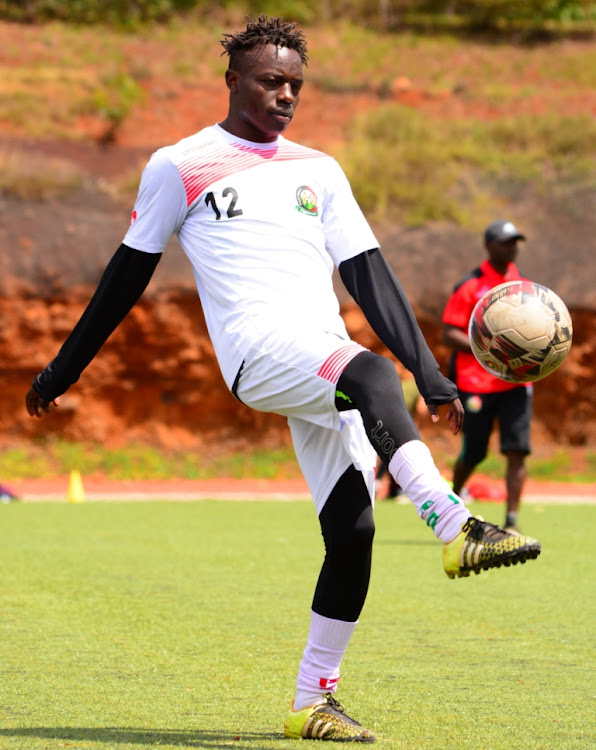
157,381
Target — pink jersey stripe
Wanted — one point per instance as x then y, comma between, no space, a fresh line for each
199,170
333,366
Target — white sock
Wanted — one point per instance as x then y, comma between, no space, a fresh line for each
319,669
413,468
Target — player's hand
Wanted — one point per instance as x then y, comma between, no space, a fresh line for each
455,414
36,405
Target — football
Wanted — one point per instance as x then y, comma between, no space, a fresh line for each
520,331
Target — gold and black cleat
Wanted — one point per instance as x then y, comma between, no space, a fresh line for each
481,545
325,721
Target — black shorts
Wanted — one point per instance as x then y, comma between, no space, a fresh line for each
513,409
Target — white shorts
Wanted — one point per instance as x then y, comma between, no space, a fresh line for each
296,376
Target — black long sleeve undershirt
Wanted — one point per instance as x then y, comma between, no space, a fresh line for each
376,289
125,279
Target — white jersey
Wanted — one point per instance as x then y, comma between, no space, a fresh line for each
262,225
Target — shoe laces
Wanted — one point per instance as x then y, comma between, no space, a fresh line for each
331,701
480,528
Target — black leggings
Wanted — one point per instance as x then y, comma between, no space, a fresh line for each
371,383
348,530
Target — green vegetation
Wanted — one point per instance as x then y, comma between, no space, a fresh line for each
400,161
115,96
475,14
41,97
558,467
179,625
138,461
412,163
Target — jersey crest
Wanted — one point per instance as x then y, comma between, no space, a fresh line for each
306,201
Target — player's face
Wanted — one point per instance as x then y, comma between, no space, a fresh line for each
501,254
264,93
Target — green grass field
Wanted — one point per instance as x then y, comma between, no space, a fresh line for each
181,625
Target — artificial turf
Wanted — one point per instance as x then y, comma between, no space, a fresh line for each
181,624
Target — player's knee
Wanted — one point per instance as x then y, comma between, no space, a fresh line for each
382,379
364,531
357,539
369,376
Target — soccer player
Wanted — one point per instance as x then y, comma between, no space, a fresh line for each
263,221
484,396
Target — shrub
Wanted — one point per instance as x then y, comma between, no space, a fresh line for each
480,14
403,163
121,12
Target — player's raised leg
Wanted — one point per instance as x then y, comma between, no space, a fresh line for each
372,385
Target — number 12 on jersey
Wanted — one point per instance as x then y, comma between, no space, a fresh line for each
231,210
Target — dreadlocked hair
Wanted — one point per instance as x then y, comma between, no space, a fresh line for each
261,31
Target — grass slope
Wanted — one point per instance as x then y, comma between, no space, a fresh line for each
428,126
182,625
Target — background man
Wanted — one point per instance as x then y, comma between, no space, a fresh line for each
263,221
486,398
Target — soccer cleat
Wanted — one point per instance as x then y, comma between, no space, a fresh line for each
481,545
325,721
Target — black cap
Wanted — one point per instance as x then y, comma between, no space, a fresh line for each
502,231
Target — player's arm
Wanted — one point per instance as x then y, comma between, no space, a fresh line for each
456,338
375,287
124,280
